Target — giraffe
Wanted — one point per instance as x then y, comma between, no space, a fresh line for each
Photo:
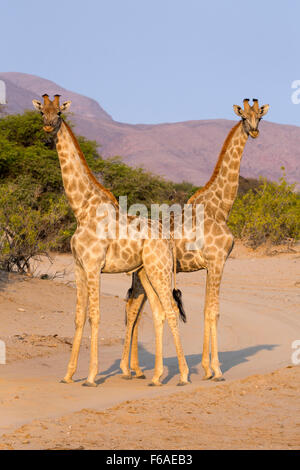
217,198
94,254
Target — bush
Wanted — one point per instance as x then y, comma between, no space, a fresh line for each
26,232
270,213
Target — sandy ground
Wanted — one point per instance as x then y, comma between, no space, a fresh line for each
257,407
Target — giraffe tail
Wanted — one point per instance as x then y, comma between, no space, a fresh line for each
177,294
128,296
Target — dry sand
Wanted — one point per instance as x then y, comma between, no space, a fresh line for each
257,407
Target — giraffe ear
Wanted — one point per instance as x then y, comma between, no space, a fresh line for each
263,110
238,110
37,105
65,105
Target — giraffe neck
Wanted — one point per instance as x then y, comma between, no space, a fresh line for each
79,182
220,191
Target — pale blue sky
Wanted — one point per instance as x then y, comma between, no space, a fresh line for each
150,61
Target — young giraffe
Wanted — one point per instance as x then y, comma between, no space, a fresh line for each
217,197
94,254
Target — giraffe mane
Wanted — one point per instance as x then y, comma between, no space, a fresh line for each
83,160
218,164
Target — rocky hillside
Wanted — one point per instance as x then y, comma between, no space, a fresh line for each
179,151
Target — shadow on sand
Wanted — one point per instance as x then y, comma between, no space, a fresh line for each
11,278
228,360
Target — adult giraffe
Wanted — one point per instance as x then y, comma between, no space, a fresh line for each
94,253
217,198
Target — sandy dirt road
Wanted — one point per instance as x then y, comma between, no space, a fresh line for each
260,318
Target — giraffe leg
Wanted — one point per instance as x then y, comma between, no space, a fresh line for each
139,292
124,364
81,308
211,315
215,364
134,307
205,354
158,318
172,319
134,359
160,277
93,283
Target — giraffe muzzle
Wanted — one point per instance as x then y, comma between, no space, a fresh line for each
254,134
48,128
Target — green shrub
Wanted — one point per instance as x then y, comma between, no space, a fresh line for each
271,213
26,232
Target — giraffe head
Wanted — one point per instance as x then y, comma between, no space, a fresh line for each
51,112
251,115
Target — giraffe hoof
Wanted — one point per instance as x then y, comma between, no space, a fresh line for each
89,384
155,384
126,376
182,383
66,381
142,376
207,377
218,379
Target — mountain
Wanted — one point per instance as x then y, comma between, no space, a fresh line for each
22,88
179,151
